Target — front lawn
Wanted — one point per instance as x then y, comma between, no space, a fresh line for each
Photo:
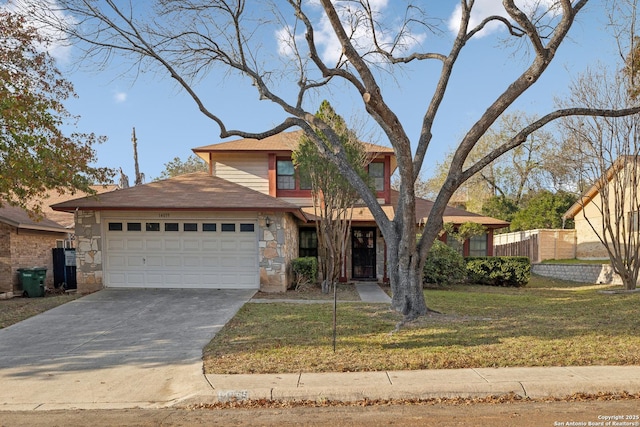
17,309
547,323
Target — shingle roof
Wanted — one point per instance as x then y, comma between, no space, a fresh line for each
285,141
195,191
423,207
67,219
18,217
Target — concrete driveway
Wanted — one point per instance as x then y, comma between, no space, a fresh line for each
117,348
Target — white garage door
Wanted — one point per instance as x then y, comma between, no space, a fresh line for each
181,254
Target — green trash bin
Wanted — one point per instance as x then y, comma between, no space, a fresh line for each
32,281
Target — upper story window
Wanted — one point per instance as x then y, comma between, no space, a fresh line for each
287,178
376,172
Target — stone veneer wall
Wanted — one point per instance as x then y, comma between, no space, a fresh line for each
21,248
584,273
278,246
88,252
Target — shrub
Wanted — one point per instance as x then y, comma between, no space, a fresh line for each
305,271
444,265
499,271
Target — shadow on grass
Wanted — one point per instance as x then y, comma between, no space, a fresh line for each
481,326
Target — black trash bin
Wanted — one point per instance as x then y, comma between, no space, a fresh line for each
32,281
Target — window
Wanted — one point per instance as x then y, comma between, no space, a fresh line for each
376,172
190,226
115,226
285,173
171,226
228,227
478,245
308,243
209,227
287,177
246,228
454,243
153,226
134,226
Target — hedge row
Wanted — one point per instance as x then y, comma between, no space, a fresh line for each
445,266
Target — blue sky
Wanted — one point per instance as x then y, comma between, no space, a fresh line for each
168,123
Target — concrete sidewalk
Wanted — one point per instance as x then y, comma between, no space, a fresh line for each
143,349
438,383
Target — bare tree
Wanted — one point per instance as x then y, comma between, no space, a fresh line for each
532,166
606,153
188,39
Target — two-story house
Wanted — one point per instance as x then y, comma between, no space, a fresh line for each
237,226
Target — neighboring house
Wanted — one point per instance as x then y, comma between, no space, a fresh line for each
238,226
587,211
26,243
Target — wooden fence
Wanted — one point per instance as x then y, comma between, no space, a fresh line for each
537,245
527,247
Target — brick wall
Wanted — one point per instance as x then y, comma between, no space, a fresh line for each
21,248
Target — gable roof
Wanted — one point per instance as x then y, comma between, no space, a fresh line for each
197,191
423,207
18,217
284,141
594,190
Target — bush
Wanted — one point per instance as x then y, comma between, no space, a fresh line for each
499,271
444,265
305,271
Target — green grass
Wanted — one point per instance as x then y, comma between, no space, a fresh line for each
548,323
15,310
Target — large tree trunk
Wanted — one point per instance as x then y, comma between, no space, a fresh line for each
404,263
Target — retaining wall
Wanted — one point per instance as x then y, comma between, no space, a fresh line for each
584,273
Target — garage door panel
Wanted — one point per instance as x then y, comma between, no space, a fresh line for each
154,278
191,262
135,261
136,279
135,244
154,245
210,245
154,261
116,244
172,261
116,261
246,245
175,259
117,279
191,245
172,244
229,245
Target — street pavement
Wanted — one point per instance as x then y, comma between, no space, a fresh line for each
120,348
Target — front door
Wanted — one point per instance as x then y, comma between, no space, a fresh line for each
363,253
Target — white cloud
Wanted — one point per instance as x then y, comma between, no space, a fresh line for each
120,97
327,43
59,46
485,8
